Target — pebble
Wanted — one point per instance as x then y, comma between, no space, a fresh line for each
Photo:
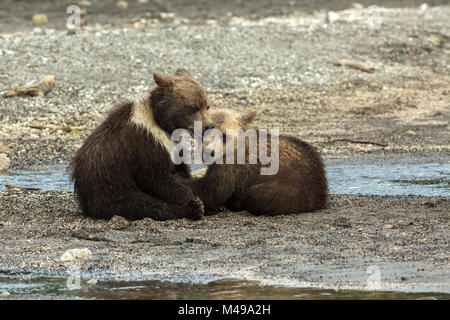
5,294
76,254
38,30
39,19
122,5
332,17
118,222
167,15
84,3
423,7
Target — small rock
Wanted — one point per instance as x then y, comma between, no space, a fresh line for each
410,132
92,281
37,30
76,254
357,6
118,222
436,41
84,3
429,204
39,19
5,294
4,149
4,162
342,222
122,5
167,15
423,7
332,17
142,1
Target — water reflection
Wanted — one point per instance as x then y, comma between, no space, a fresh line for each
233,289
427,179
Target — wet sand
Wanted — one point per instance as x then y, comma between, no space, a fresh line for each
404,237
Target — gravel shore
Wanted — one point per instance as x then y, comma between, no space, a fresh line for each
280,66
403,236
277,61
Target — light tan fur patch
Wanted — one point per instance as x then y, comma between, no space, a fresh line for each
142,117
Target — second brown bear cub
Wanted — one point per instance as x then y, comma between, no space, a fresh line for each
124,167
300,185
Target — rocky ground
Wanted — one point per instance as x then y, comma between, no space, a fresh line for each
274,58
279,65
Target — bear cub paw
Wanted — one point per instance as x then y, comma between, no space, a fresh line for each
196,210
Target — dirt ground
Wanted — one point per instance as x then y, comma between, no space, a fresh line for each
275,58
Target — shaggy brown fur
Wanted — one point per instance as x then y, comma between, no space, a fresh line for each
124,166
299,186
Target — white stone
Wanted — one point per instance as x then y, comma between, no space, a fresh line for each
332,17
76,254
423,7
38,30
84,3
123,5
167,15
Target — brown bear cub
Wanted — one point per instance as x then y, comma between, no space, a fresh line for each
124,167
299,185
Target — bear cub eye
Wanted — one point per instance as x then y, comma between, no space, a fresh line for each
195,109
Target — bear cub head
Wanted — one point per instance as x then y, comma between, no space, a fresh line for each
227,126
177,101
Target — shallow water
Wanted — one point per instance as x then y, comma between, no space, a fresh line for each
23,287
427,179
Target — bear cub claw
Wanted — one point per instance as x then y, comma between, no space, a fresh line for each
196,210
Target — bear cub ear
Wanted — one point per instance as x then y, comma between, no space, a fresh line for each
182,72
162,80
248,117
